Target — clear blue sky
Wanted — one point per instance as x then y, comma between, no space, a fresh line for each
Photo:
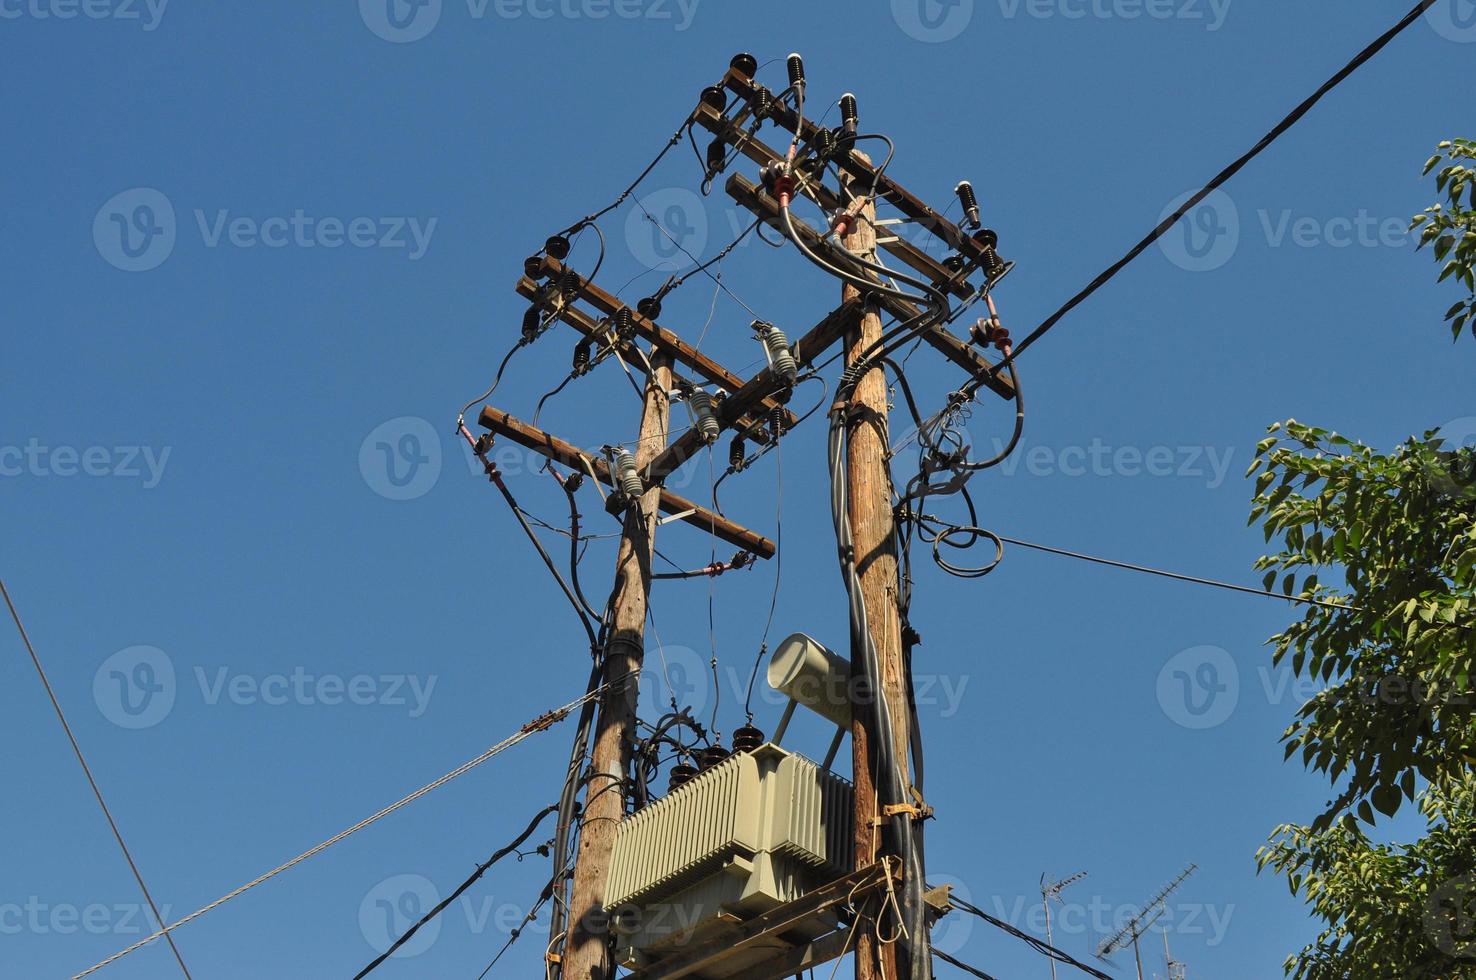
192,430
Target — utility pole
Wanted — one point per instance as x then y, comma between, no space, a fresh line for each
586,953
869,493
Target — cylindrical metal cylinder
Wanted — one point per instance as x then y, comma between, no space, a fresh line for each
814,676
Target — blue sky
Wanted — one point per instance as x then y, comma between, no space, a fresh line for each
263,633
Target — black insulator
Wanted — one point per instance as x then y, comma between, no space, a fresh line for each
744,63
650,307
746,739
777,418
558,247
581,356
987,238
532,322
680,774
737,452
965,192
849,118
714,96
569,282
796,66
533,267
717,156
763,103
711,756
825,143
624,323
954,263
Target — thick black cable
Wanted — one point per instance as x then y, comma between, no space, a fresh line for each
970,970
1037,944
892,780
457,893
590,219
87,771
517,931
496,479
1291,119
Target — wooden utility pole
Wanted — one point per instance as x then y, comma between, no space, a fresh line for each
869,492
586,952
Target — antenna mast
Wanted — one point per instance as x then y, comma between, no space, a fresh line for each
1143,921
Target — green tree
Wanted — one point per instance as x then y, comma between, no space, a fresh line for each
1452,228
1394,643
1404,911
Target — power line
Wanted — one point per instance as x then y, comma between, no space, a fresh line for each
1175,575
970,970
87,770
1036,944
1194,200
441,907
542,723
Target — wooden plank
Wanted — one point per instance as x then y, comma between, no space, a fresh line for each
794,962
748,194
734,410
773,922
858,166
705,367
574,458
763,154
588,326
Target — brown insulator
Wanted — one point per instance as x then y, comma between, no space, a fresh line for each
680,774
711,756
746,739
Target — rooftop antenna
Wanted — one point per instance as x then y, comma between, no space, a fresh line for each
1175,967
1051,892
1142,922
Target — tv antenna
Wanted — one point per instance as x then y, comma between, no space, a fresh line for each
1049,893
1141,922
1175,967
